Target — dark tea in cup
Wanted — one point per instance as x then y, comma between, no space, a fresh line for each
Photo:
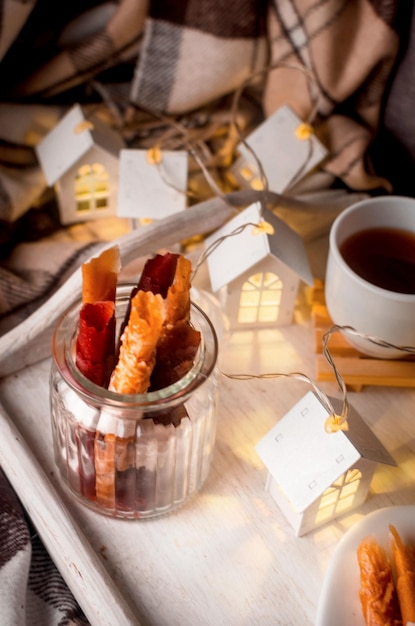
383,256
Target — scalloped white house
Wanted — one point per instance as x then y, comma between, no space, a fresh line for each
79,158
315,476
254,274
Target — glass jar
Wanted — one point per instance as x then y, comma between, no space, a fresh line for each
133,455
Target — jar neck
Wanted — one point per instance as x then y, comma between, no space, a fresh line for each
63,350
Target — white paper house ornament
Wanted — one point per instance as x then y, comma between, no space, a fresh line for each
152,188
315,476
80,158
256,276
286,148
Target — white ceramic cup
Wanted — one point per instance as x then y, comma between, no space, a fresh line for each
352,300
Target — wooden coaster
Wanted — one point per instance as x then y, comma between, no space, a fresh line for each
356,369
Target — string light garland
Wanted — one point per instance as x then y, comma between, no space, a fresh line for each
372,338
304,131
198,151
335,421
166,125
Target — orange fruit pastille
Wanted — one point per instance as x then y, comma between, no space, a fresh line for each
404,558
377,589
138,344
100,275
95,347
178,294
131,375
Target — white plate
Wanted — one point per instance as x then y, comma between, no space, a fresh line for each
339,602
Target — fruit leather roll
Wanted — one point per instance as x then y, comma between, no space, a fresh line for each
138,344
179,341
404,559
95,346
100,276
114,453
377,593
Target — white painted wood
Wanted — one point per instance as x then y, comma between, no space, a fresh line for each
67,545
228,557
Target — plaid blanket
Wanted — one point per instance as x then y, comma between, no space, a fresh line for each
154,68
32,592
174,58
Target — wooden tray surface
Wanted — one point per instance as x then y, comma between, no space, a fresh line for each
356,369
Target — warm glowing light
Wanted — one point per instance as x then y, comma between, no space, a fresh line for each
303,131
345,503
83,126
329,497
340,496
246,172
91,187
263,227
323,515
260,298
250,174
334,423
154,155
257,184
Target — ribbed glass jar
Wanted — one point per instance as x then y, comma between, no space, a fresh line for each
134,455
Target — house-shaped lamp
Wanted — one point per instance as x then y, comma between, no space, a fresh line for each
286,148
254,274
79,157
315,475
152,183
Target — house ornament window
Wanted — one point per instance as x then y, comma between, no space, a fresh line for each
339,497
91,188
260,298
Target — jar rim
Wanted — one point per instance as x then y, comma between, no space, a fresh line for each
63,356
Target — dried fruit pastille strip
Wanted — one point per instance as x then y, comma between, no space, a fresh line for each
131,375
169,275
138,344
404,557
95,341
95,344
114,454
157,276
100,275
377,589
178,293
95,348
158,273
178,341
